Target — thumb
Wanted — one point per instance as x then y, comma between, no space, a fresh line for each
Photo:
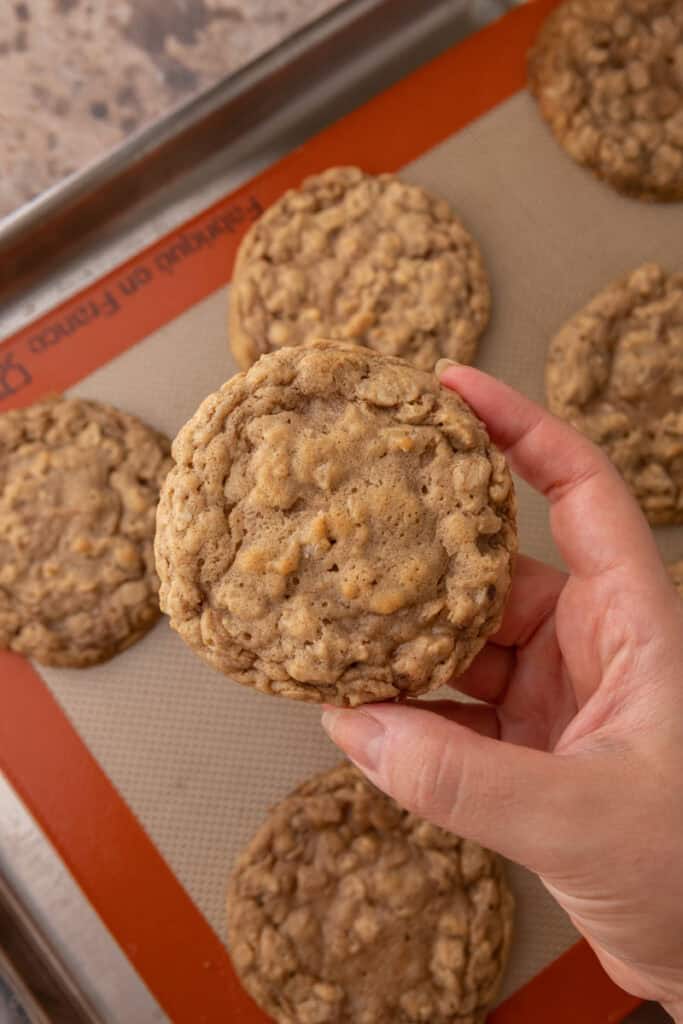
531,806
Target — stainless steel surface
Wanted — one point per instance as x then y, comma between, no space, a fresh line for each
33,972
81,77
341,81
228,95
36,234
17,1005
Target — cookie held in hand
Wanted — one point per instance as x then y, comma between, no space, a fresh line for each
337,527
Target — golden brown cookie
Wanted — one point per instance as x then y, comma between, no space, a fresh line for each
364,258
337,527
615,371
608,76
345,909
79,485
675,570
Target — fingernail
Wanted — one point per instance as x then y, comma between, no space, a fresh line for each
360,736
442,365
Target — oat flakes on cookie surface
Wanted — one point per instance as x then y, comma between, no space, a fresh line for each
79,484
345,909
608,76
364,258
615,371
337,527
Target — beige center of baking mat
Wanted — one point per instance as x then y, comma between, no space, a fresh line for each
200,759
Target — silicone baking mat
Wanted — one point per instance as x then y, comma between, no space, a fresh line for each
150,772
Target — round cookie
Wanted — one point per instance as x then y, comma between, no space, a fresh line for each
363,258
79,485
615,371
675,570
608,76
345,909
337,527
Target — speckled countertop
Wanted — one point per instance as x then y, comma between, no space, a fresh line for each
79,75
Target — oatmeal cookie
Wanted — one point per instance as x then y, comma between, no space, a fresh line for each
336,527
363,258
608,76
345,909
615,371
79,484
79,77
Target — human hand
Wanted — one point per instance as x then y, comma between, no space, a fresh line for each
574,765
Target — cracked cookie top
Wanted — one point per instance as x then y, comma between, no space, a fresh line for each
337,527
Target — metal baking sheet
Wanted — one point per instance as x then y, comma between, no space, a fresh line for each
35,986
218,121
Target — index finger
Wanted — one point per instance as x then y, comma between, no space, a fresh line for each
596,523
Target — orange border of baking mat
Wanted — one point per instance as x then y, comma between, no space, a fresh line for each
138,897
